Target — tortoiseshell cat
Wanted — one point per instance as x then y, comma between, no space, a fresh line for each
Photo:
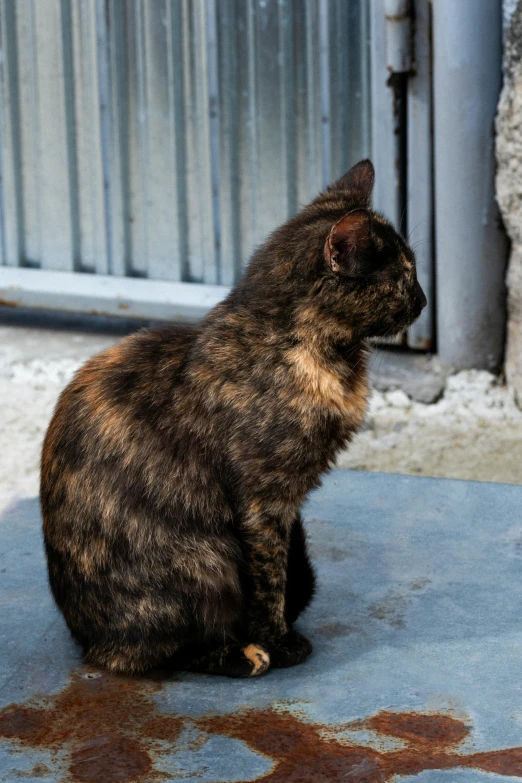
176,462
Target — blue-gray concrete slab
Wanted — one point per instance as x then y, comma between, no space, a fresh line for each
415,675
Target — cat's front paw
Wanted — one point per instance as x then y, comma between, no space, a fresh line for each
258,659
291,649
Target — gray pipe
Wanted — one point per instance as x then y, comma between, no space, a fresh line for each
471,247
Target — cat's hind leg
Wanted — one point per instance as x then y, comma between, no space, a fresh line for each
120,657
230,659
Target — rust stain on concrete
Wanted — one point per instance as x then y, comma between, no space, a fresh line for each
110,731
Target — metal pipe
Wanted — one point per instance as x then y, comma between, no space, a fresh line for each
383,152
471,246
398,63
398,35
398,83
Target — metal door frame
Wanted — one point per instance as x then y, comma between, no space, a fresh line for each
453,222
387,35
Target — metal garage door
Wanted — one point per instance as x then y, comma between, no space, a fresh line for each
165,138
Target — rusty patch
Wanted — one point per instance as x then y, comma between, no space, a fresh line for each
297,747
128,760
110,730
106,724
8,303
418,727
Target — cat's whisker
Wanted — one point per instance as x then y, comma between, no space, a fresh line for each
415,227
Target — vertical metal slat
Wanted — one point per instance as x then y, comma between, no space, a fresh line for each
231,29
115,132
157,123
54,138
11,195
91,240
25,32
201,246
177,125
420,181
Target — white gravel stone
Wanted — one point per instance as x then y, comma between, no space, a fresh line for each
397,399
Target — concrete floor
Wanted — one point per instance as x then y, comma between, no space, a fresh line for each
415,673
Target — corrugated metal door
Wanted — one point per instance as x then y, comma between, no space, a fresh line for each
164,139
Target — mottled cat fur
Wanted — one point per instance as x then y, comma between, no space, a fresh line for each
176,462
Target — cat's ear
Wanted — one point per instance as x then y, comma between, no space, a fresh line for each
360,178
348,241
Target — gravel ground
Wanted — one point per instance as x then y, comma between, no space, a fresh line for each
35,365
474,431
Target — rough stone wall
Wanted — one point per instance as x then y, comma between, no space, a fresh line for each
509,182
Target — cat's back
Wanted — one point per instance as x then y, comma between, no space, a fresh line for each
113,408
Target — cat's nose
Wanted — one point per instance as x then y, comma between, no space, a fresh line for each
420,296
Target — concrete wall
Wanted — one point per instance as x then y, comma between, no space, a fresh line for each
509,182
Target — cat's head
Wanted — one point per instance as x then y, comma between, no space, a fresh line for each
366,273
